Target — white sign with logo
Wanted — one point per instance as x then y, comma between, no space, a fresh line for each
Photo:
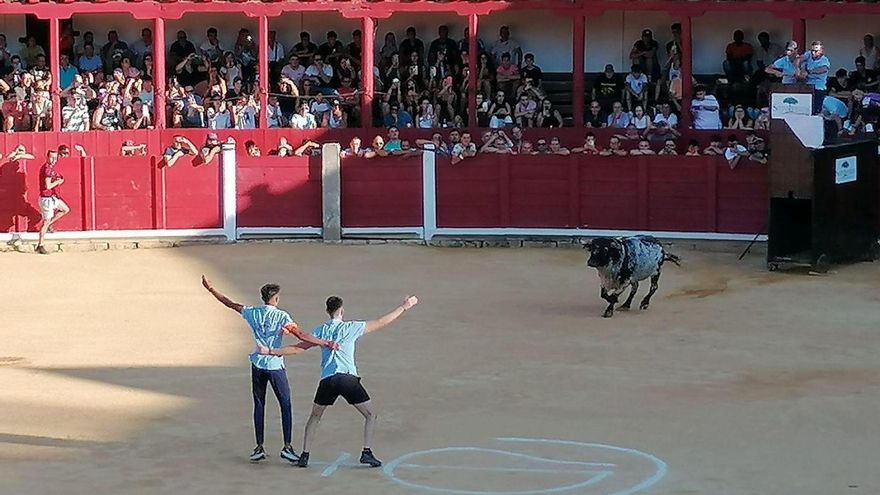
783,104
845,170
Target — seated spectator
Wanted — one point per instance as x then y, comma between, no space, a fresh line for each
863,78
756,147
251,148
618,119
211,50
319,108
305,49
541,146
107,116
738,62
91,65
636,89
217,114
556,147
734,152
613,148
644,54
16,113
179,148
595,118
589,147
336,118
332,49
693,148
668,148
137,115
714,147
426,117
548,116
274,115
211,148
840,86
64,150
762,121
643,148
75,115
608,88
739,119
631,134
501,118
507,75
397,117
665,123
437,145
482,111
354,149
704,108
464,149
320,73
496,142
870,53
526,148
41,107
129,148
244,113
529,88
524,111
294,71
641,120
179,50
303,119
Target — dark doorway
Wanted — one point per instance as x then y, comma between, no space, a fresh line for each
39,29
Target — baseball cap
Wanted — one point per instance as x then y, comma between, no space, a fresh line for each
647,32
609,68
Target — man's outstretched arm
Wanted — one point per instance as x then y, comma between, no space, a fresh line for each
293,329
220,297
384,321
286,350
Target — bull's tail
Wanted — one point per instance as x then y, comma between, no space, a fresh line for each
671,257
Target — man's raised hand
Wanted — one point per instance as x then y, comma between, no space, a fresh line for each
409,302
207,283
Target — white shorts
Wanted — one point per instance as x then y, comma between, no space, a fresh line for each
48,207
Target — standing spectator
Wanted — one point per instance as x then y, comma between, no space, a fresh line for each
675,42
217,114
644,54
332,49
305,49
442,43
767,52
113,51
506,44
464,43
5,56
738,62
245,50
786,66
142,47
180,49
389,48
608,88
211,49
411,44
397,117
816,66
636,88
507,75
52,207
871,53
275,52
840,86
617,119
834,111
31,51
531,71
231,69
739,119
355,48
863,78
704,108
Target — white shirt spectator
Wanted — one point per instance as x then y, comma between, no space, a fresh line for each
460,148
705,113
245,117
636,84
212,52
218,119
671,121
296,75
276,53
730,154
300,121
76,118
313,71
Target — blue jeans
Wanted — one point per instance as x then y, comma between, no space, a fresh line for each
260,378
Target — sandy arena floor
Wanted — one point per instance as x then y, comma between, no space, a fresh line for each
120,375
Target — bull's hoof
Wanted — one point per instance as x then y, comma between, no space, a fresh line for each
607,314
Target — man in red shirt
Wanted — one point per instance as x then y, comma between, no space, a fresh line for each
738,61
51,205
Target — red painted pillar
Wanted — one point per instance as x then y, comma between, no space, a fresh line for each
55,70
159,73
799,33
687,70
473,57
263,40
577,70
368,53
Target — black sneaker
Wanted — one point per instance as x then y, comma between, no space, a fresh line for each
303,460
289,454
258,455
367,458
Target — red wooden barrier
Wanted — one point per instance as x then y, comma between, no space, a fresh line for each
385,192
678,192
123,193
469,192
539,191
743,205
279,191
193,195
609,192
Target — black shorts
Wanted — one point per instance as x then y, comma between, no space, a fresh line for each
348,386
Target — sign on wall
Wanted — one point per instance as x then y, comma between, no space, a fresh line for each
845,170
784,104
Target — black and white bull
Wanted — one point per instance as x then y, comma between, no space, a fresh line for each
626,261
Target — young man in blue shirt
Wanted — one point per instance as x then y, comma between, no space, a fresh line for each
338,371
269,324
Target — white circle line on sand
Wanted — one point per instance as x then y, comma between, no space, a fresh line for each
586,467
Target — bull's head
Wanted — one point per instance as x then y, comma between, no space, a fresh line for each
604,251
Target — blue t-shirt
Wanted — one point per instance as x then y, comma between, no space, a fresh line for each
816,80
266,323
65,76
788,69
834,106
344,333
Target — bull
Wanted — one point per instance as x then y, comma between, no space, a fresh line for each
624,262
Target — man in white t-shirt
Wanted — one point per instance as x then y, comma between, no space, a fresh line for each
734,152
339,374
636,92
269,325
293,70
704,108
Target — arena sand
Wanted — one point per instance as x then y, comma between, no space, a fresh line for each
121,375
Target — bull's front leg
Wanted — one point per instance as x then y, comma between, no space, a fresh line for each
647,300
611,297
632,293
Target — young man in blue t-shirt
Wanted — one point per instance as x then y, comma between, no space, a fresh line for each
339,374
269,325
